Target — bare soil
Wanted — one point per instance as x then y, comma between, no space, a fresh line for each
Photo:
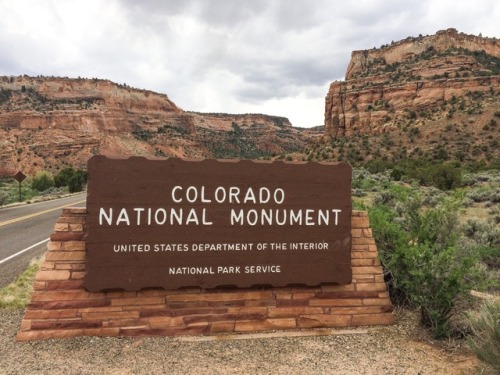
404,348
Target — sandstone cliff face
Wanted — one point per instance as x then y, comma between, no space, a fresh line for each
414,80
46,123
410,47
78,104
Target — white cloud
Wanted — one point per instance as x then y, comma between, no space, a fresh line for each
266,56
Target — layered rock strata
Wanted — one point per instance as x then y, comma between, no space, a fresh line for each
47,123
388,87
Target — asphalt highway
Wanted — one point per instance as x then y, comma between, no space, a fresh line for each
25,230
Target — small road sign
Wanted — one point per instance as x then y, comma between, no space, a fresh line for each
19,176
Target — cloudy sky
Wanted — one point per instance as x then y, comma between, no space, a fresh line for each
275,57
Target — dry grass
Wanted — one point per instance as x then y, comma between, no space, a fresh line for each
485,341
18,293
476,211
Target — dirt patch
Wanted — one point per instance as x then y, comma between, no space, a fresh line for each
403,348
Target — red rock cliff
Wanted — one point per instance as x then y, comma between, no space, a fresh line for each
386,87
46,123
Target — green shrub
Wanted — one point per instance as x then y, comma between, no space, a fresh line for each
77,181
444,176
62,178
485,341
143,135
484,194
74,179
483,233
418,250
376,166
483,239
5,95
4,197
434,279
42,181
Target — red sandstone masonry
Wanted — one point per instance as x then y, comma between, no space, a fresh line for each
61,308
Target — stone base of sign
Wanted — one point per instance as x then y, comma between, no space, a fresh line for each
60,307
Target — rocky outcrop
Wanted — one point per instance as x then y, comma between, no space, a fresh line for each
89,106
46,123
424,77
412,46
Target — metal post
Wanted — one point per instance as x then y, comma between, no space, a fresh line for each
19,177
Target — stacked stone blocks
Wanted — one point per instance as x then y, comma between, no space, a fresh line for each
60,306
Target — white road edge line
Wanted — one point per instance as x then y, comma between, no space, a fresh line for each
23,251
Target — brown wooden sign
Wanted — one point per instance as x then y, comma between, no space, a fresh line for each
172,223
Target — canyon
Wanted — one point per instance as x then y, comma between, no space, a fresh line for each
435,97
47,123
423,92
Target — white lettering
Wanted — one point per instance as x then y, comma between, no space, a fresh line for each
309,218
296,217
108,218
249,196
252,217
204,220
149,216
191,198
203,199
263,200
263,269
336,212
192,217
283,221
158,221
173,194
236,218
267,215
282,194
234,192
217,191
123,216
138,210
176,215
323,217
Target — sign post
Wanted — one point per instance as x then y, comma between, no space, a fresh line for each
19,177
175,223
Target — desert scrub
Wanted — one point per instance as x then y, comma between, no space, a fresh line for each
482,239
42,181
74,179
481,233
418,249
9,191
365,181
483,186
4,197
485,194
18,293
432,196
485,341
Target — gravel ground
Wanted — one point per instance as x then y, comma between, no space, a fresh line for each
400,349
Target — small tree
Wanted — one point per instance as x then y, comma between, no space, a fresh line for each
77,181
62,178
42,181
73,179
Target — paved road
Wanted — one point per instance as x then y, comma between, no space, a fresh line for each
28,226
